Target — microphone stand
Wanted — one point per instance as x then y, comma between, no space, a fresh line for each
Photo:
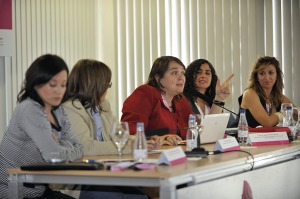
210,101
225,109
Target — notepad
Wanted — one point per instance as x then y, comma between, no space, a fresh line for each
214,126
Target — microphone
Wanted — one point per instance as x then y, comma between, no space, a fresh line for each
210,101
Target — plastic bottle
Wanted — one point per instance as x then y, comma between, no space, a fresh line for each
288,121
140,151
288,117
192,134
242,127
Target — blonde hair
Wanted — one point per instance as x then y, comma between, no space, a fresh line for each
276,93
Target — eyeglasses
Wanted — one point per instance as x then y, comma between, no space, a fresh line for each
109,85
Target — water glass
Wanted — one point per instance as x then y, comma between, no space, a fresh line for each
297,126
120,134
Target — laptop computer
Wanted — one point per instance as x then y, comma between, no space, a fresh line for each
214,126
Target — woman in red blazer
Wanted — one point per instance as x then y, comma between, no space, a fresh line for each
159,103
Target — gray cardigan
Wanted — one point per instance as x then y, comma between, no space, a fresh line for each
28,139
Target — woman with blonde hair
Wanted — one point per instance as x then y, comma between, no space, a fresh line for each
263,97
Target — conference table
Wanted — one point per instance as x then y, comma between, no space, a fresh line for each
271,171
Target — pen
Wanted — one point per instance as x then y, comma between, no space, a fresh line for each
88,161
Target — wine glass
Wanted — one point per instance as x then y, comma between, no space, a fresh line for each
297,126
120,134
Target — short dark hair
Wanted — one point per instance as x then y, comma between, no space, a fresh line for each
41,71
159,68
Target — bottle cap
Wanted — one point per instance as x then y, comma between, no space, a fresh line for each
140,126
192,118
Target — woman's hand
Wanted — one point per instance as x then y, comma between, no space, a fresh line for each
171,140
223,90
154,142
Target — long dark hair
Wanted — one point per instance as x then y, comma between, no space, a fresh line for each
41,71
190,74
88,81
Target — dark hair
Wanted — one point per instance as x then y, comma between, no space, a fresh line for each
41,71
88,81
260,64
159,68
190,74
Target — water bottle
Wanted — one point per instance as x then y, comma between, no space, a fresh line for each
288,117
288,122
242,127
192,134
140,151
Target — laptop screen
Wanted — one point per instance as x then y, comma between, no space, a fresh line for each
214,126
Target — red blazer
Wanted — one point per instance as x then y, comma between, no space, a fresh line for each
146,105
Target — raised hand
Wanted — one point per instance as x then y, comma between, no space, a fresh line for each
223,90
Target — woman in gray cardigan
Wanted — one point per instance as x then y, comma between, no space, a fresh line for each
39,126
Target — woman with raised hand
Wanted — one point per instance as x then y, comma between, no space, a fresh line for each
201,78
39,126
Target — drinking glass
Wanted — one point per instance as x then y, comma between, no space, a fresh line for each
297,126
120,134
